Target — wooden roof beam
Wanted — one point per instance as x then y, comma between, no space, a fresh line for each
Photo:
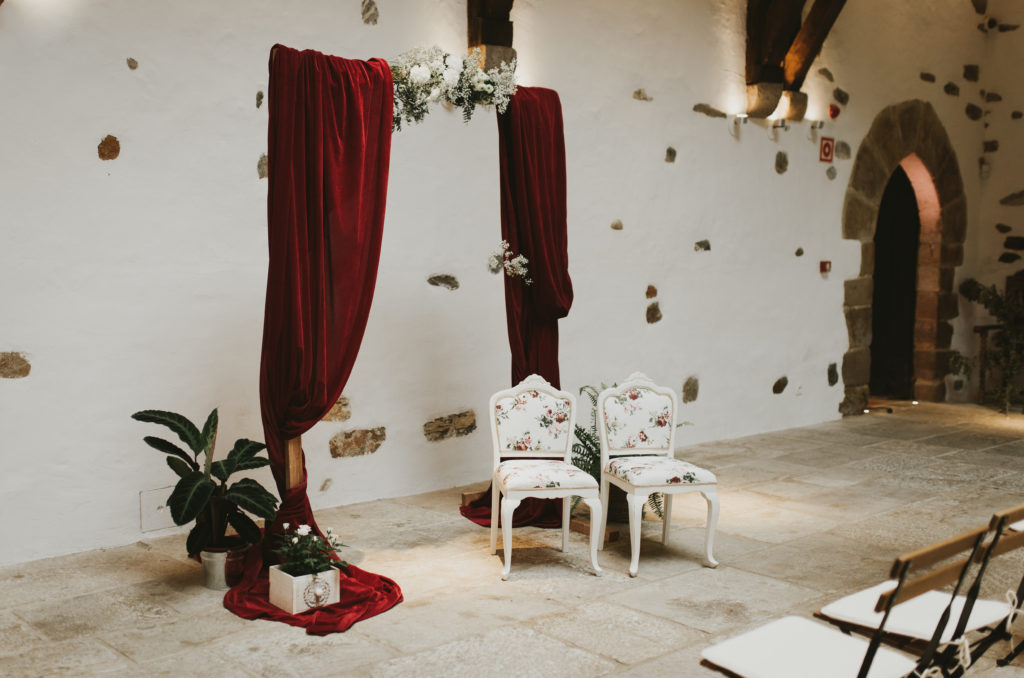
808,41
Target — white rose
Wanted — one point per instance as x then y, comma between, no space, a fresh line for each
419,74
302,530
435,94
295,540
330,530
451,77
453,62
285,526
488,88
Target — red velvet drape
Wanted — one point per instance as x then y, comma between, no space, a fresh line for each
328,154
533,221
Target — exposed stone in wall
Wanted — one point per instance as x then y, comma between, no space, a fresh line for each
858,291
707,110
109,148
781,162
780,385
990,146
799,251
1014,242
867,258
370,13
450,426
261,167
326,484
652,291
971,72
653,312
14,365
973,111
841,95
641,95
1006,28
691,388
1008,257
1017,115
358,442
980,6
1003,228
132,63
444,280
827,74
842,150
855,401
833,374
670,154
702,246
952,89
763,98
831,173
927,77
858,325
857,366
259,98
1013,200
340,411
992,97
617,225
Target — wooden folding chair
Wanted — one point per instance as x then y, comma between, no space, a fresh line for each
794,647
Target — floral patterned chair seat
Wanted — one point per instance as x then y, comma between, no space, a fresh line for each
659,471
532,474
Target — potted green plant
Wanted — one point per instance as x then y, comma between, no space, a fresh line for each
1004,358
307,575
203,494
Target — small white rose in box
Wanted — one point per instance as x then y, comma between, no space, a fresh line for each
308,575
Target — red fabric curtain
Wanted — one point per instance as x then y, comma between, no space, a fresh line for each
533,208
328,153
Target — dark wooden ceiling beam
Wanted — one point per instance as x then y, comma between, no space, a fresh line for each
808,41
771,27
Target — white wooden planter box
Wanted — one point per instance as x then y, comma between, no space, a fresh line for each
298,594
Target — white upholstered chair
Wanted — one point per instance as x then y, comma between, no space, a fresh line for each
637,424
533,422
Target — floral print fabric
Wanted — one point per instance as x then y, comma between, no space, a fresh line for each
532,474
532,421
638,418
659,471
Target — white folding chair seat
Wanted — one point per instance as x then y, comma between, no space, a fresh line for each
915,618
533,422
794,647
636,421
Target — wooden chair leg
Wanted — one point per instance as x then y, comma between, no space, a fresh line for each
596,530
495,493
666,519
711,496
508,507
605,491
565,524
636,505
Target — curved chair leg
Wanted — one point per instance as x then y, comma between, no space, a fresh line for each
495,493
636,505
565,523
605,491
666,519
508,507
711,496
596,532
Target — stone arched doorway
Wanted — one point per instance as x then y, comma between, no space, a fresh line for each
908,135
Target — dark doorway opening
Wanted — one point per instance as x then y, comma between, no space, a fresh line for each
895,290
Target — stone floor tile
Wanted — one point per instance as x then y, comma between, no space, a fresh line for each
512,652
970,439
714,600
16,636
445,502
772,523
179,635
684,663
684,552
854,502
913,447
830,455
744,475
195,661
620,633
81,657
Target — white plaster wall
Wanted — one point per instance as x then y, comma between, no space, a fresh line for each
139,282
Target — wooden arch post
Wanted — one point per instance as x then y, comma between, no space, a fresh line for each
293,462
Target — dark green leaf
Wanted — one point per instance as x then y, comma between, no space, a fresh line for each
185,429
190,496
209,434
198,539
222,469
245,527
251,463
244,455
251,496
168,447
178,466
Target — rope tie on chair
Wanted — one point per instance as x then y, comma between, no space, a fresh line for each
1011,599
963,659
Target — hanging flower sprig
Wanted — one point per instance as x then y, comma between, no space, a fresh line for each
515,266
422,76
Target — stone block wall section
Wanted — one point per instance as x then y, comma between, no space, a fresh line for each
908,134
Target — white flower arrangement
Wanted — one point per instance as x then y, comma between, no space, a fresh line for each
516,266
422,76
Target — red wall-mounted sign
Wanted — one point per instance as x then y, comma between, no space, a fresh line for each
827,149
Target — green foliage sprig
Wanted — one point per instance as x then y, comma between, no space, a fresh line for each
1004,357
198,495
302,552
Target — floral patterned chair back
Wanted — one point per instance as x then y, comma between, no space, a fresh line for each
637,418
532,419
